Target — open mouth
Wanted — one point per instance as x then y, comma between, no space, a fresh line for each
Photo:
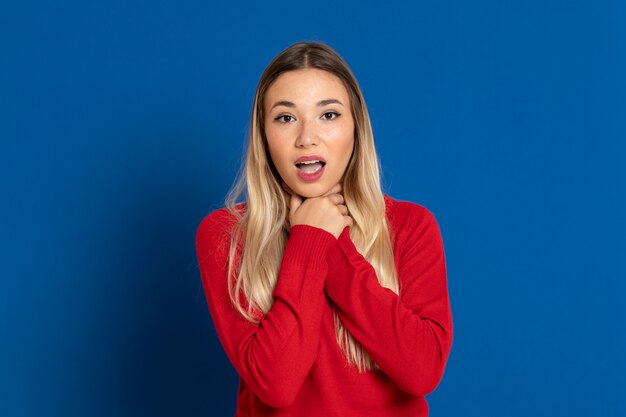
310,167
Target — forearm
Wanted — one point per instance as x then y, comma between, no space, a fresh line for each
275,355
410,344
276,359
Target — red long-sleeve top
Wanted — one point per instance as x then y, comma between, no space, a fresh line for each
290,363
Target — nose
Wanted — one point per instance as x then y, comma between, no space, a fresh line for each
308,135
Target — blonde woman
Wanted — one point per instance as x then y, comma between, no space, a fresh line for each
329,297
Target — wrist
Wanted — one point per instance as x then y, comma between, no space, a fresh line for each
308,243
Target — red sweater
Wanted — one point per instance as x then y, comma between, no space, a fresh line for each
291,365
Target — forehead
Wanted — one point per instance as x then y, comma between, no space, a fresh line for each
306,86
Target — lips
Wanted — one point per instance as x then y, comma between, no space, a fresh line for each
310,167
309,159
310,163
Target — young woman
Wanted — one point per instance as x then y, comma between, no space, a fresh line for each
329,297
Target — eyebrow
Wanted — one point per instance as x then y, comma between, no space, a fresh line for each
319,103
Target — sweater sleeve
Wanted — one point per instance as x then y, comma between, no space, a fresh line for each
408,336
274,356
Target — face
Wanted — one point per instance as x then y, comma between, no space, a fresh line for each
309,129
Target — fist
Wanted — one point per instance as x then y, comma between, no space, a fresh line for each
327,212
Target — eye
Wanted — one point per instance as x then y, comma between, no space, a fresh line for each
330,115
284,118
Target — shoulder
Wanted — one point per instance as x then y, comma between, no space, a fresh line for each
222,218
216,227
414,230
406,214
215,221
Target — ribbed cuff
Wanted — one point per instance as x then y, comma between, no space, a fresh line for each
308,245
336,253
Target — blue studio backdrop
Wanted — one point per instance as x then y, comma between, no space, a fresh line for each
122,125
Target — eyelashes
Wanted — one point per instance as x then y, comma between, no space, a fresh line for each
333,115
287,118
282,118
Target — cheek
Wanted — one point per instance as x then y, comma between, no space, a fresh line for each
277,152
344,143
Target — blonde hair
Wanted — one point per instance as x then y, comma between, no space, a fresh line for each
261,229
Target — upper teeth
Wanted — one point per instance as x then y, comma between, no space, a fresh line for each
309,162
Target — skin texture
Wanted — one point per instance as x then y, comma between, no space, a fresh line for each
304,128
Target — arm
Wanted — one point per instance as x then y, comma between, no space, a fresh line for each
409,336
275,356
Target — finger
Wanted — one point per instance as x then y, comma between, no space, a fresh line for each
342,209
335,189
348,221
336,198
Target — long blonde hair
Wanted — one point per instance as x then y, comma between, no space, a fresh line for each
261,230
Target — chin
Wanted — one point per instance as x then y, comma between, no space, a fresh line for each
310,190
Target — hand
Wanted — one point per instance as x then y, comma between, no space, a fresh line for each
327,212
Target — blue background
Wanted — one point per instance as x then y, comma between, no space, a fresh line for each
122,125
